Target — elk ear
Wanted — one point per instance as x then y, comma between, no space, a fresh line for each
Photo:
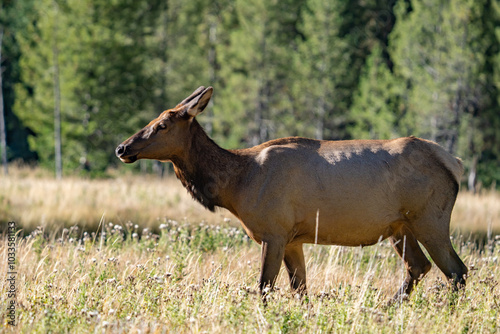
198,103
192,96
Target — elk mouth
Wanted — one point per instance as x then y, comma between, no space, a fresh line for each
129,159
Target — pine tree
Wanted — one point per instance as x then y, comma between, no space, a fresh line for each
437,48
434,50
321,67
3,131
12,20
104,77
375,105
35,104
255,60
486,152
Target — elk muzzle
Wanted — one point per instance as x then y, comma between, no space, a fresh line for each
122,152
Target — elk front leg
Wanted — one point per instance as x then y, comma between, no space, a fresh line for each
272,256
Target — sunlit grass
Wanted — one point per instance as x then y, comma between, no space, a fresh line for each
33,198
201,278
162,263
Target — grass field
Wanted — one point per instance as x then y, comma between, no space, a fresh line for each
203,279
185,276
32,198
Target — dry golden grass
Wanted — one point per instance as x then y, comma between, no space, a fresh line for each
477,213
32,198
202,278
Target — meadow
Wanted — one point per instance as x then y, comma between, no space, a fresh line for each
161,264
32,198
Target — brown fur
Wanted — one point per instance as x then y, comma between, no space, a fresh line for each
363,190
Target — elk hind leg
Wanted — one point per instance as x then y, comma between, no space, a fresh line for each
296,267
416,263
438,244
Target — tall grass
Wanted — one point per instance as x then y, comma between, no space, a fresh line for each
203,279
477,213
33,199
151,270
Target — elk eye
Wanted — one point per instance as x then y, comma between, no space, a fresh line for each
162,125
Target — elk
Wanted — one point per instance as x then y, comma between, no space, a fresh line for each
291,191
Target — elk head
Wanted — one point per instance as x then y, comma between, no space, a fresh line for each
169,134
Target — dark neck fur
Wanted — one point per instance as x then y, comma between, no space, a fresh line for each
205,169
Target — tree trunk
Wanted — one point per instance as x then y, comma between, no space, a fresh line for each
259,133
212,75
3,129
57,107
320,122
471,179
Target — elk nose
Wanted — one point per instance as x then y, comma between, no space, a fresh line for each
121,150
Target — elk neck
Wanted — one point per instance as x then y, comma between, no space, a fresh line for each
207,171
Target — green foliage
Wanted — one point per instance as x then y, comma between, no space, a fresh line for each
103,75
12,19
375,106
439,50
444,81
321,66
254,72
316,68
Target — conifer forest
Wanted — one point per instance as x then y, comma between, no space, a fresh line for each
80,76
